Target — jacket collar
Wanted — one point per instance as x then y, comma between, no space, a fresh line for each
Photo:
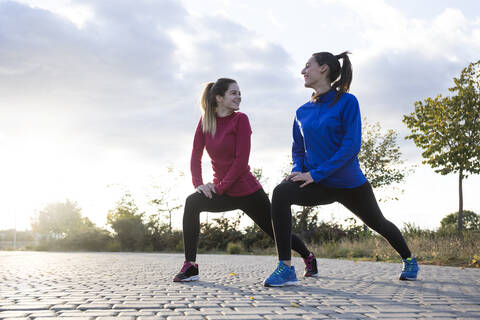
326,97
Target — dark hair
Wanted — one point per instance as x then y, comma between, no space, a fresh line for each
209,102
341,85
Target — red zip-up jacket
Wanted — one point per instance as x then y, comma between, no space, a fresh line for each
229,151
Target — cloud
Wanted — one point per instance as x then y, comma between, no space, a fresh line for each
104,90
131,75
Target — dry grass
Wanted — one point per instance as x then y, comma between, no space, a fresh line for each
447,250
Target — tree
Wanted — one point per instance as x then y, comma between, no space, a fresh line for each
448,130
380,156
471,221
128,224
58,219
165,204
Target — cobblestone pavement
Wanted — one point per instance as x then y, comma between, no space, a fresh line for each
35,285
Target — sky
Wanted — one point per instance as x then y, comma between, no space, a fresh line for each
99,98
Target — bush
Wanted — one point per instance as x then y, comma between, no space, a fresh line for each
471,221
234,248
255,239
216,236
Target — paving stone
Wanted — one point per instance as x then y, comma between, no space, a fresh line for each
94,306
63,318
25,307
185,318
100,286
235,317
115,318
283,317
13,314
136,313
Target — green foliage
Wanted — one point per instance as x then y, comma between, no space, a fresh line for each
8,235
471,221
305,223
410,229
258,173
61,226
234,248
255,239
161,236
90,239
448,134
128,224
58,219
380,156
216,236
165,204
448,129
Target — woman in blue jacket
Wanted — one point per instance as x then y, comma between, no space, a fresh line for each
326,141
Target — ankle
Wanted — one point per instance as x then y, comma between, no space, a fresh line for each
287,262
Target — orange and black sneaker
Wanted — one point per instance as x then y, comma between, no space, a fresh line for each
189,272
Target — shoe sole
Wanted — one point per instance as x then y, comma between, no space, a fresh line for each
288,283
192,278
407,279
310,275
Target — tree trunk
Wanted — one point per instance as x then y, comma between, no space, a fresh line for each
460,202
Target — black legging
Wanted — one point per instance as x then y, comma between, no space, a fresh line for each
361,201
256,206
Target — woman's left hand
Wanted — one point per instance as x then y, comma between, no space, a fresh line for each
303,177
211,186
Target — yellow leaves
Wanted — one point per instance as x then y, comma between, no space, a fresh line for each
476,261
293,304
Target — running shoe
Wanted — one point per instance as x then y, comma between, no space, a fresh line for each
189,272
410,269
310,266
282,276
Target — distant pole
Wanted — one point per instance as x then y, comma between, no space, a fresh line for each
15,232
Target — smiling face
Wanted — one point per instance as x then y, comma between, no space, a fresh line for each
230,101
314,74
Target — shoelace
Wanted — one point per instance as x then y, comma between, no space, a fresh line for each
185,267
279,269
309,262
408,265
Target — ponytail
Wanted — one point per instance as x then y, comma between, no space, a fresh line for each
209,103
342,84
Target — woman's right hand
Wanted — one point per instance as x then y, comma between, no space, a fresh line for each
291,175
207,189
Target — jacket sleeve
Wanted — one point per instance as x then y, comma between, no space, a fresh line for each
350,145
242,154
298,148
196,158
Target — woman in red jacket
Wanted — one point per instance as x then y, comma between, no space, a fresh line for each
225,134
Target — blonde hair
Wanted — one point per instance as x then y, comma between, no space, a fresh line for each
209,103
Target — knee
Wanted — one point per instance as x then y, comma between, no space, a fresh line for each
192,202
281,197
282,191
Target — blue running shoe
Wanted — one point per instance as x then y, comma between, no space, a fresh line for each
282,276
410,269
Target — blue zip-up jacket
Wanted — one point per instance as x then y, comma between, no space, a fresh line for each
327,139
